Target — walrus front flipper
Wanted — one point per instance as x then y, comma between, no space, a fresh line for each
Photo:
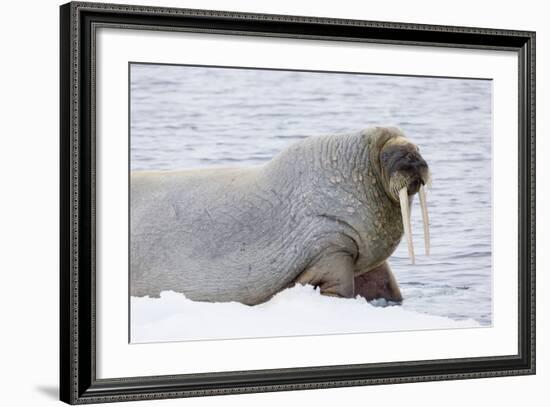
333,274
378,283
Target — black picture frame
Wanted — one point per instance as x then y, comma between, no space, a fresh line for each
78,381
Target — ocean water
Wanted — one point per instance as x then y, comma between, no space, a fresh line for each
192,117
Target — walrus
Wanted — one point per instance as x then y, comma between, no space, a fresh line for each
326,211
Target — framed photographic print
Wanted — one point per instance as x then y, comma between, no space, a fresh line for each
255,203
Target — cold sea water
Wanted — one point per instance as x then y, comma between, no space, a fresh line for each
190,117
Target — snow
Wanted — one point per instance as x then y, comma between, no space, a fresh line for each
300,310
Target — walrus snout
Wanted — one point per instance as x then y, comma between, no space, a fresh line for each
412,168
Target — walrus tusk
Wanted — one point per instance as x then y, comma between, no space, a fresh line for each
406,217
425,219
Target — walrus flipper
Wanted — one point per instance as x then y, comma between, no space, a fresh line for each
378,283
333,274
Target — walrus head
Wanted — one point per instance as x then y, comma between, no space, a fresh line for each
404,174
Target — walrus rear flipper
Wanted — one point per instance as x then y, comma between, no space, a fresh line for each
378,283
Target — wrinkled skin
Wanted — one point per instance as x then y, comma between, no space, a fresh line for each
321,212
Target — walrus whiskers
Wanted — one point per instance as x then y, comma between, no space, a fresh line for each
397,183
406,217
